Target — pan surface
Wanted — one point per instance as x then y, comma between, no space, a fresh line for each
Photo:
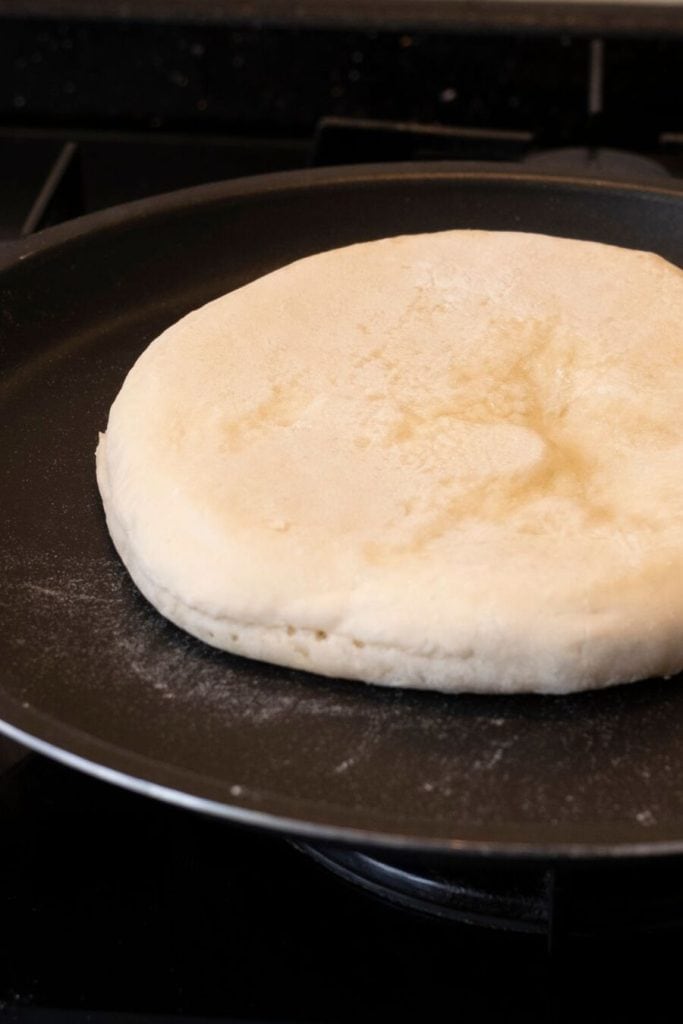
91,674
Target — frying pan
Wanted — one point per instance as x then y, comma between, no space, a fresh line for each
92,675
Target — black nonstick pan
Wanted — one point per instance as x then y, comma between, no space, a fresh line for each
92,675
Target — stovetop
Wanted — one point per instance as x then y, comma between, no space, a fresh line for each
113,906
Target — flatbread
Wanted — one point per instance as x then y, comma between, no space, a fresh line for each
449,461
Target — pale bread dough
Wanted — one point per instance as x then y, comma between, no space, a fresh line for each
450,461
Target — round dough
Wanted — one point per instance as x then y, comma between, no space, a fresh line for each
449,461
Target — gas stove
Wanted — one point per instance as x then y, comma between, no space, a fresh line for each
117,907
114,906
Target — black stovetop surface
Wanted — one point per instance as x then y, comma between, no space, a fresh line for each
111,903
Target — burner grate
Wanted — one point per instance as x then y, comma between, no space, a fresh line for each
559,900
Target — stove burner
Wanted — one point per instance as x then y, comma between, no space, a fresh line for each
558,900
514,899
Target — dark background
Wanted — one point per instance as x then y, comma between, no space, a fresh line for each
161,94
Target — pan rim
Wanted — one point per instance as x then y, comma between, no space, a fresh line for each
293,828
259,185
